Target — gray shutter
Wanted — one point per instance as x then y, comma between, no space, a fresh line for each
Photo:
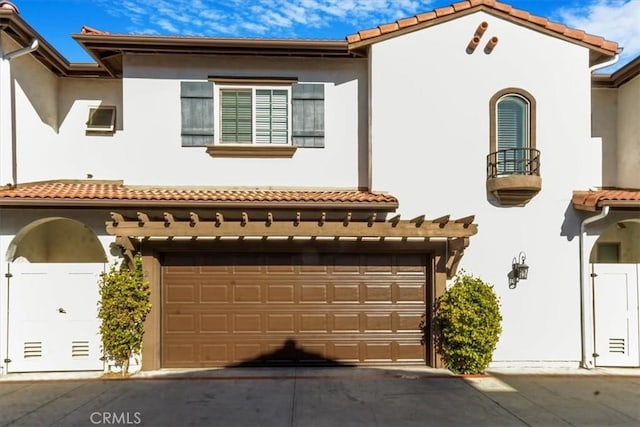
197,113
307,102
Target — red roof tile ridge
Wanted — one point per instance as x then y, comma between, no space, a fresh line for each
116,190
7,5
518,14
69,181
93,31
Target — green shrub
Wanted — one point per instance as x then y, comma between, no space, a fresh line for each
123,307
467,325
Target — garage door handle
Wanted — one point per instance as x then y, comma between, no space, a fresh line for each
62,311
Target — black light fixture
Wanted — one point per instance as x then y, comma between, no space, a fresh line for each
519,270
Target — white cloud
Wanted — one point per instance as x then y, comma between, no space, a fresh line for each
615,20
277,18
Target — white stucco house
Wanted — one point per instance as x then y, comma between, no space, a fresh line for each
307,200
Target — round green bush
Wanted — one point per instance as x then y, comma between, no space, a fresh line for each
467,325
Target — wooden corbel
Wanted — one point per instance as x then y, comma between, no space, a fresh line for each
193,219
143,218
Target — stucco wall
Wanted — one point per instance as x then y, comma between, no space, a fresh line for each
629,134
430,136
35,93
146,148
627,234
604,116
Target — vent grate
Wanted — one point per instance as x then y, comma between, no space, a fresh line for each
79,349
32,349
617,345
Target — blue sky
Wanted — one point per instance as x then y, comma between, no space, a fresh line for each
55,20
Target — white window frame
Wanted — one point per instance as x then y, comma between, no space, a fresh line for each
101,130
219,88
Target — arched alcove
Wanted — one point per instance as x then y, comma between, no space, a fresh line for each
619,243
56,239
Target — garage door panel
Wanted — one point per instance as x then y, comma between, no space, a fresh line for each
211,323
214,293
409,293
181,354
378,293
181,293
314,323
346,293
180,323
410,352
245,352
247,323
346,322
280,293
283,308
378,322
407,322
249,293
214,354
313,293
281,322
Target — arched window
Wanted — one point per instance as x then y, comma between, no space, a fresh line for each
513,133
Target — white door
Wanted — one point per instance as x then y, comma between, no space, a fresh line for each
615,288
53,323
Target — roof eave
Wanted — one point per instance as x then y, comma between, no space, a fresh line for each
619,77
104,47
186,204
47,55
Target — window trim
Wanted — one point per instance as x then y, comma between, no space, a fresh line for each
91,129
493,116
219,88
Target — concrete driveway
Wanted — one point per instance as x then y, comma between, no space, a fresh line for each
325,397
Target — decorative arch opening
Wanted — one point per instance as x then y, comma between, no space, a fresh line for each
56,240
618,244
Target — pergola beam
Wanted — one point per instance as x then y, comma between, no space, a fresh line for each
196,227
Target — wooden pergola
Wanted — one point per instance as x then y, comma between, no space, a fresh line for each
157,227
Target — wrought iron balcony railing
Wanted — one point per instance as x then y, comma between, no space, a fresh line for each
513,161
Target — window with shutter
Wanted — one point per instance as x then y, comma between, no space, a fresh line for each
512,134
264,118
272,118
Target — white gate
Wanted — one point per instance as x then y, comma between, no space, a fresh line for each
53,324
615,292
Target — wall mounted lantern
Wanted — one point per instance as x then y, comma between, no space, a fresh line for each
519,270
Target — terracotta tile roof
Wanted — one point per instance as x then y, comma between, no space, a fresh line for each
87,191
371,35
614,197
90,30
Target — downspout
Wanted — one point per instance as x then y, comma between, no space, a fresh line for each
605,64
586,297
6,113
6,109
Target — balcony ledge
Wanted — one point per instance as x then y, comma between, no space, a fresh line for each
514,190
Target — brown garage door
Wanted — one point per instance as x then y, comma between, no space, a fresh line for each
233,309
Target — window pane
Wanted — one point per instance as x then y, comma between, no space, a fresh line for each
608,253
236,116
272,116
511,134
